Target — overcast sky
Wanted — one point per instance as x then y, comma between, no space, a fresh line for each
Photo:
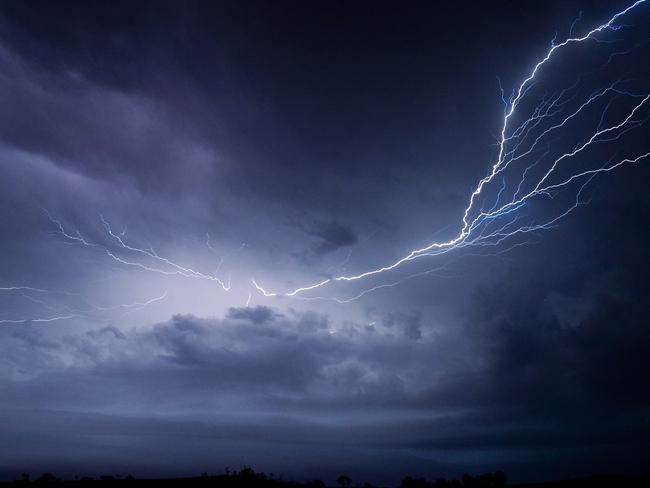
157,157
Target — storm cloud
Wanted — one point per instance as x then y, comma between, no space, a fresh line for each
162,163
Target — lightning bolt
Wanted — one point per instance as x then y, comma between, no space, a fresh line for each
89,313
477,226
166,266
497,209
41,320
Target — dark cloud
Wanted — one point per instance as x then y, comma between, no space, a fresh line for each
99,131
532,386
306,140
331,236
410,324
109,329
257,315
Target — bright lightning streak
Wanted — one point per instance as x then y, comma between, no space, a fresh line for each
75,313
262,290
469,234
36,290
172,267
134,305
183,271
433,271
485,223
376,288
78,238
41,320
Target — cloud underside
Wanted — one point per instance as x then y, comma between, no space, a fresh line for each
260,381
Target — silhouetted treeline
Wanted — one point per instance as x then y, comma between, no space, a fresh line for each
487,480
247,477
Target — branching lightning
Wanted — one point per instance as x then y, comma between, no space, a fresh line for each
502,221
164,265
91,311
533,165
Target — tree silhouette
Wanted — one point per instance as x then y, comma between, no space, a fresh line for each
469,481
344,481
47,478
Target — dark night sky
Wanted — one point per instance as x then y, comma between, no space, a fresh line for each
291,142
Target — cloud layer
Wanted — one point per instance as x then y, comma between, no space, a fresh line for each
292,142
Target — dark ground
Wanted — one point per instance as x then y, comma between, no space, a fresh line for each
249,478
